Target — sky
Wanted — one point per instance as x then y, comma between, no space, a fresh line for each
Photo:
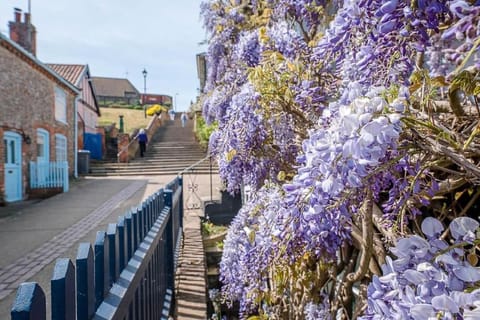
120,38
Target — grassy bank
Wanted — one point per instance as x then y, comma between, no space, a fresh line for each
132,119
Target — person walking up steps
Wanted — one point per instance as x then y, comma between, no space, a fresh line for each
184,119
172,114
142,141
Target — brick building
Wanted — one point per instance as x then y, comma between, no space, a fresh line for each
151,98
37,119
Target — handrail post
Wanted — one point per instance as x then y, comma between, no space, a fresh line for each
180,201
211,180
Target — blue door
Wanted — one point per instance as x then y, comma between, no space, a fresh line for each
13,166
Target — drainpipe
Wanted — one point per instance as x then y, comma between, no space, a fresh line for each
75,138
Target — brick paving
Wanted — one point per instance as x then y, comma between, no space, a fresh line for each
27,266
191,285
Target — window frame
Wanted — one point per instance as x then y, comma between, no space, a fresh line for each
61,148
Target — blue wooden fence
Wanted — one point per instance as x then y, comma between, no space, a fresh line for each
49,175
128,273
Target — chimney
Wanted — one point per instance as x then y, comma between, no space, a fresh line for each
23,33
27,17
17,14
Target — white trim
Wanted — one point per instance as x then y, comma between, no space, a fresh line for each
75,138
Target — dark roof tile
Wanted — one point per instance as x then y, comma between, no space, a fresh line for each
113,87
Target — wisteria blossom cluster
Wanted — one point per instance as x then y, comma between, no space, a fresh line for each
464,35
263,136
249,248
429,278
372,57
337,160
314,110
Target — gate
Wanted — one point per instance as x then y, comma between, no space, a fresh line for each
189,178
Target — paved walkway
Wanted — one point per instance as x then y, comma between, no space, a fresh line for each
191,282
35,233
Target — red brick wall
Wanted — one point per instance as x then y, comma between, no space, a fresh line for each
27,102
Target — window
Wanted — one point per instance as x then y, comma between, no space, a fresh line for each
60,148
43,146
40,145
9,146
60,105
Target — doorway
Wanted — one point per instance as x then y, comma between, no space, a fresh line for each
13,166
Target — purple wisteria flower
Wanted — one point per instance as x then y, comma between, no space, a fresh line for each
249,249
337,160
428,278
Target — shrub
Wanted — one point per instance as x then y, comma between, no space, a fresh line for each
204,131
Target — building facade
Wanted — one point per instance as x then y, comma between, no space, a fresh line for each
37,123
88,110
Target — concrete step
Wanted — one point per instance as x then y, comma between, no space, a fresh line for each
145,162
149,169
171,150
150,173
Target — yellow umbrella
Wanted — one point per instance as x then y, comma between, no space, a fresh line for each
156,108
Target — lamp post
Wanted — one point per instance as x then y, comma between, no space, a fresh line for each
175,102
144,72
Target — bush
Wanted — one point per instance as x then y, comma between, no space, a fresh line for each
204,131
156,109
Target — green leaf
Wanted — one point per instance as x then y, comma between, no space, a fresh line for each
458,195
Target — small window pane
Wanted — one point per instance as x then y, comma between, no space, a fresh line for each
12,148
40,145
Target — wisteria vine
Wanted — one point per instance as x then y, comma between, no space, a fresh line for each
322,112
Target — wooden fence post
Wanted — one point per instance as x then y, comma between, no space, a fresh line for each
29,303
63,290
102,271
141,222
135,227
112,234
169,242
122,243
129,232
85,282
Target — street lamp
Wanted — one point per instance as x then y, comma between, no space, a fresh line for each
175,102
144,72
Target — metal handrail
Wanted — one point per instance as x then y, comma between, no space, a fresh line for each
190,168
123,149
155,118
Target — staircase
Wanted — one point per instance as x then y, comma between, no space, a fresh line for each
171,150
